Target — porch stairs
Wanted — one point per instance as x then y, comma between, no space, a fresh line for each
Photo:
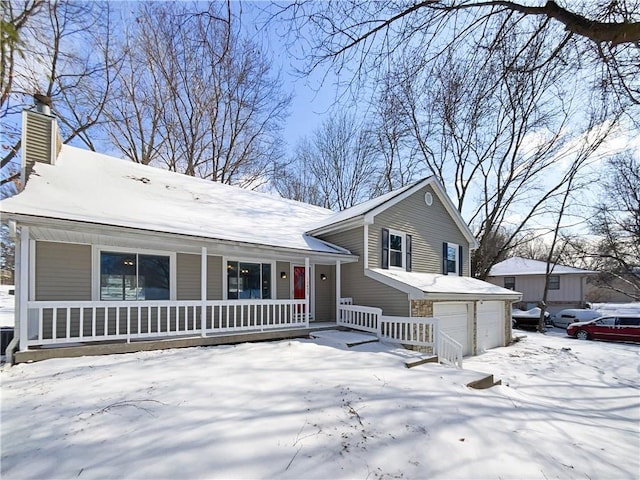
352,339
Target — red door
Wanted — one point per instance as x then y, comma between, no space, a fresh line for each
298,283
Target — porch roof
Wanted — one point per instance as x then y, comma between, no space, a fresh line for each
444,287
85,186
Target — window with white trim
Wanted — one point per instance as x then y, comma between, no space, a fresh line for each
451,259
134,276
554,282
396,250
247,280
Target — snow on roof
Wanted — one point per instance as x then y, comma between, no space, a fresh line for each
361,208
516,266
437,283
91,187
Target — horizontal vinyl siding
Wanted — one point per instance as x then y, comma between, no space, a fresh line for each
214,278
364,290
532,288
283,285
371,293
63,271
352,240
188,276
429,227
325,293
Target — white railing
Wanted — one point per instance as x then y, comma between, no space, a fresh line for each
67,322
449,350
418,331
360,318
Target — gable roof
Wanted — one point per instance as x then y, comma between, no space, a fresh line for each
86,186
518,266
366,211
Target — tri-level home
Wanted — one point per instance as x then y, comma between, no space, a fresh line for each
113,256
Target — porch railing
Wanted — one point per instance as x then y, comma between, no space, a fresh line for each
417,331
359,317
67,322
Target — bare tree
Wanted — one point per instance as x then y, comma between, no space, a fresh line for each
63,51
501,138
617,224
198,97
356,35
340,159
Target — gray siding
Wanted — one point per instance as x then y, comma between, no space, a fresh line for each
364,290
325,293
214,278
283,285
188,277
63,271
429,227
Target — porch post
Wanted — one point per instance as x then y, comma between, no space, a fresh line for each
338,288
307,303
23,295
203,292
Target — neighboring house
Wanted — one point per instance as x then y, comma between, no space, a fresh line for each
567,285
117,255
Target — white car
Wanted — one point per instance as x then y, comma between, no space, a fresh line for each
564,318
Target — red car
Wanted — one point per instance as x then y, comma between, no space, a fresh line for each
625,328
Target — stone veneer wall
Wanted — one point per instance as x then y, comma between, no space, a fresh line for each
421,308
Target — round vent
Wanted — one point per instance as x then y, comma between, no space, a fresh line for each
428,199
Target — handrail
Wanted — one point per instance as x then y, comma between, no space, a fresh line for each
449,350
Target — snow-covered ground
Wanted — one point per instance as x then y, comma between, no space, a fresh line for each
312,409
7,306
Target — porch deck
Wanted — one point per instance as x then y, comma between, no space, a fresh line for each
79,349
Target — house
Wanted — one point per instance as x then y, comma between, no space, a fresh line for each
567,285
114,256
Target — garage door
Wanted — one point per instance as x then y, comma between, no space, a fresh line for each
490,325
454,321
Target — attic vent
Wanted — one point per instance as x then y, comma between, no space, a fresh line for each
428,199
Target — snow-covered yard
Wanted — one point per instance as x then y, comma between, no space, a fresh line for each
310,409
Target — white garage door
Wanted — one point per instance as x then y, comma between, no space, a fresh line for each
454,321
490,325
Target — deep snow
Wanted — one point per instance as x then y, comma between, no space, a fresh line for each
312,409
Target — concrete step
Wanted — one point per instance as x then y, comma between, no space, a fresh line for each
347,338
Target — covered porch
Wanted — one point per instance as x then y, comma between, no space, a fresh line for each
67,297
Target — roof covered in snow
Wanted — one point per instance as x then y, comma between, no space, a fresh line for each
517,266
89,187
446,284
376,205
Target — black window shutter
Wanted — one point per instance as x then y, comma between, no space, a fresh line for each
408,262
444,258
385,248
460,257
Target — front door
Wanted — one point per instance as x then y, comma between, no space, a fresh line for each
298,283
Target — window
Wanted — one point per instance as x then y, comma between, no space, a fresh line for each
396,250
510,283
134,276
451,259
248,280
554,282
